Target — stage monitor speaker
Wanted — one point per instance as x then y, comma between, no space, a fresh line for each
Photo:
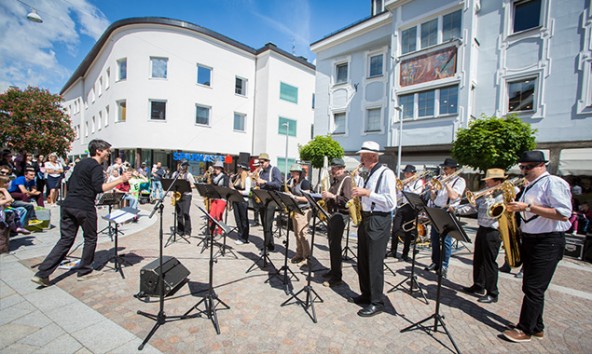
243,157
174,274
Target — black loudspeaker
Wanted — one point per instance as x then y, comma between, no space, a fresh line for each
588,248
174,274
243,157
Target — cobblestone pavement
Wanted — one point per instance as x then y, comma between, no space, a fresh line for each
257,321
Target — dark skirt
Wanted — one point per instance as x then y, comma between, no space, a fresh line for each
53,182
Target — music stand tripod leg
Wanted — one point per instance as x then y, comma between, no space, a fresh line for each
347,249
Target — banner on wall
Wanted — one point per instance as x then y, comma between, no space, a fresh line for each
196,157
428,67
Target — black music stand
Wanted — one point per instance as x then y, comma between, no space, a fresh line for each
211,297
348,249
265,198
308,302
119,217
211,193
176,185
201,189
445,224
231,195
418,205
287,202
160,318
110,199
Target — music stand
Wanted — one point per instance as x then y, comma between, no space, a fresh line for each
418,205
445,224
308,302
347,249
201,189
110,199
211,296
119,217
211,193
175,185
231,196
287,202
265,198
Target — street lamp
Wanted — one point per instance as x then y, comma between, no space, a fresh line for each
287,125
32,16
400,109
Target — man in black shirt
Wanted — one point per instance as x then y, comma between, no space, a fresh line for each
78,210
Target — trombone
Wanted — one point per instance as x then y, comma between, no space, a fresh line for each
402,183
438,182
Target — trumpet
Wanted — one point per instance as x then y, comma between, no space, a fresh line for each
439,183
402,183
472,197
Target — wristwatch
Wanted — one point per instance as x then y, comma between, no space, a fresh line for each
527,208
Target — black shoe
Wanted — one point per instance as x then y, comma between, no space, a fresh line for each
332,282
327,275
359,300
474,290
405,258
445,273
391,254
505,268
487,299
432,266
370,310
271,247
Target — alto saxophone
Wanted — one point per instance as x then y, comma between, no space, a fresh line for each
354,205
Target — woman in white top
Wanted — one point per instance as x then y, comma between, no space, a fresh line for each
54,171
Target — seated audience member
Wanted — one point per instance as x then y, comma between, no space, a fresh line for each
584,218
24,188
125,188
10,217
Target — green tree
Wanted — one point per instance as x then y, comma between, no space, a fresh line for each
320,146
33,120
493,142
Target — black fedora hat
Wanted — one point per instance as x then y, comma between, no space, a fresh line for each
409,168
448,162
532,156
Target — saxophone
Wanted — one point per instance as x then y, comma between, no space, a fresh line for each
355,204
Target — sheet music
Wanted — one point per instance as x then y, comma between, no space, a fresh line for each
119,216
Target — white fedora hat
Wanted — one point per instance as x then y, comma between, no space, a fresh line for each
370,147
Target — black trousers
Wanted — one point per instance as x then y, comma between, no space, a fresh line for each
242,219
373,236
70,220
403,215
485,269
267,215
540,254
335,227
183,218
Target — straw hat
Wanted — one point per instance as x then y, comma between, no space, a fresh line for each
494,173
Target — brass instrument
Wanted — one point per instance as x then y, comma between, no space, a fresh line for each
439,183
421,227
508,226
402,183
325,185
254,177
175,198
354,205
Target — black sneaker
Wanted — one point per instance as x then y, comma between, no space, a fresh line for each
43,282
474,290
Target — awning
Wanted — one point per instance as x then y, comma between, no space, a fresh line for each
575,162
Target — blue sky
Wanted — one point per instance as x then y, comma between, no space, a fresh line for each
46,54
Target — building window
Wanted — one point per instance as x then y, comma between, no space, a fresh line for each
100,86
429,33
341,73
158,68
239,121
451,26
106,116
85,128
100,122
423,104
92,125
448,100
122,69
373,119
527,14
339,123
107,78
121,111
240,86
286,125
521,95
376,65
288,93
202,115
204,75
282,164
377,7
157,110
409,40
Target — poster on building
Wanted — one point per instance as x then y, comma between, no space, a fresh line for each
428,67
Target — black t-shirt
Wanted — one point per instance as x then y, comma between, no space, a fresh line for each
84,185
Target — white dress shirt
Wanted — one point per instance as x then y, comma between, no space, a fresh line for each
383,199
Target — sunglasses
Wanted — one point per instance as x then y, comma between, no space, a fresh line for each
528,167
4,173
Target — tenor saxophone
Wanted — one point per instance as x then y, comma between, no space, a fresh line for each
354,205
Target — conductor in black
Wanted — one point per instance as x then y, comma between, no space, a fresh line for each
378,198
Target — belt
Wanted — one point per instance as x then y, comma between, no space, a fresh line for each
375,213
543,235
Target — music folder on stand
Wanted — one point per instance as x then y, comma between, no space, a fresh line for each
109,199
175,185
445,224
265,198
288,203
311,296
231,196
211,299
119,217
418,205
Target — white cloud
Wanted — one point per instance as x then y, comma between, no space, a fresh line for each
28,50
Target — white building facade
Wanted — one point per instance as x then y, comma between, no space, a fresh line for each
165,90
438,65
